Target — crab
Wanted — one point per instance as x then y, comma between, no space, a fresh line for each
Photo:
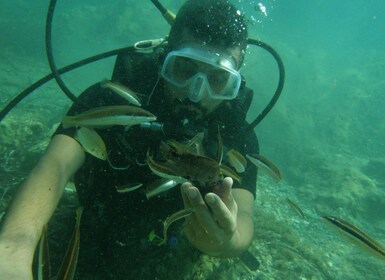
186,162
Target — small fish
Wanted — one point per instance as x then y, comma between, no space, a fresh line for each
154,238
356,235
196,143
266,165
193,146
173,218
164,171
236,160
229,172
123,91
159,186
261,8
68,266
106,116
91,142
296,208
128,187
219,147
44,269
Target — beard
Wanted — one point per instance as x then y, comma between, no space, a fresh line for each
186,109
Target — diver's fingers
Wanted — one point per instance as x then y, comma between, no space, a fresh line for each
222,214
228,197
202,213
192,224
224,191
183,189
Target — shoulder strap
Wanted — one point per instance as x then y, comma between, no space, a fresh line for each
138,70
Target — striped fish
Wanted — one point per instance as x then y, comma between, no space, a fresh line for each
266,165
128,187
159,186
236,160
173,218
356,235
123,91
68,266
44,268
229,172
295,207
106,116
91,142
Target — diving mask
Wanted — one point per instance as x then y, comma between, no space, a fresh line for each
204,72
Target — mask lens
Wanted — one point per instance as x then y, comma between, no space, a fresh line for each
185,66
218,80
184,69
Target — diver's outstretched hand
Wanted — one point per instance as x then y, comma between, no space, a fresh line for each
213,226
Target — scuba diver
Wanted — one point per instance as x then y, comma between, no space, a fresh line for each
191,82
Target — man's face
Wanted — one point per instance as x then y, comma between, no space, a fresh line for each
214,79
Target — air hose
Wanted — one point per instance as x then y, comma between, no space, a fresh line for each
279,88
48,47
169,17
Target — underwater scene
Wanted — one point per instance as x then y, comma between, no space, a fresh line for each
325,219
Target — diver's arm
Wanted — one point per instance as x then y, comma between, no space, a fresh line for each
221,226
35,202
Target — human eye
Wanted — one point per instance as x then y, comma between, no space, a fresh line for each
186,67
218,79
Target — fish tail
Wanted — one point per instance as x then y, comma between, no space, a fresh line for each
67,122
104,83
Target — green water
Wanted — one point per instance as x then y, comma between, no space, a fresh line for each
326,133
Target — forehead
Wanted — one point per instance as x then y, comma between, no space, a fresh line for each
234,52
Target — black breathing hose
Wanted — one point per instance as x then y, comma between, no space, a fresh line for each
18,98
279,88
48,47
57,72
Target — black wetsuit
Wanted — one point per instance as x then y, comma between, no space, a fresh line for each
115,226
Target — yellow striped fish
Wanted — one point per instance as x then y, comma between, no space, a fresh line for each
356,235
91,142
106,116
68,266
266,165
173,218
159,186
236,160
123,91
128,187
229,172
296,208
44,268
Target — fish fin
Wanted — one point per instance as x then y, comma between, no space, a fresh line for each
104,83
67,122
